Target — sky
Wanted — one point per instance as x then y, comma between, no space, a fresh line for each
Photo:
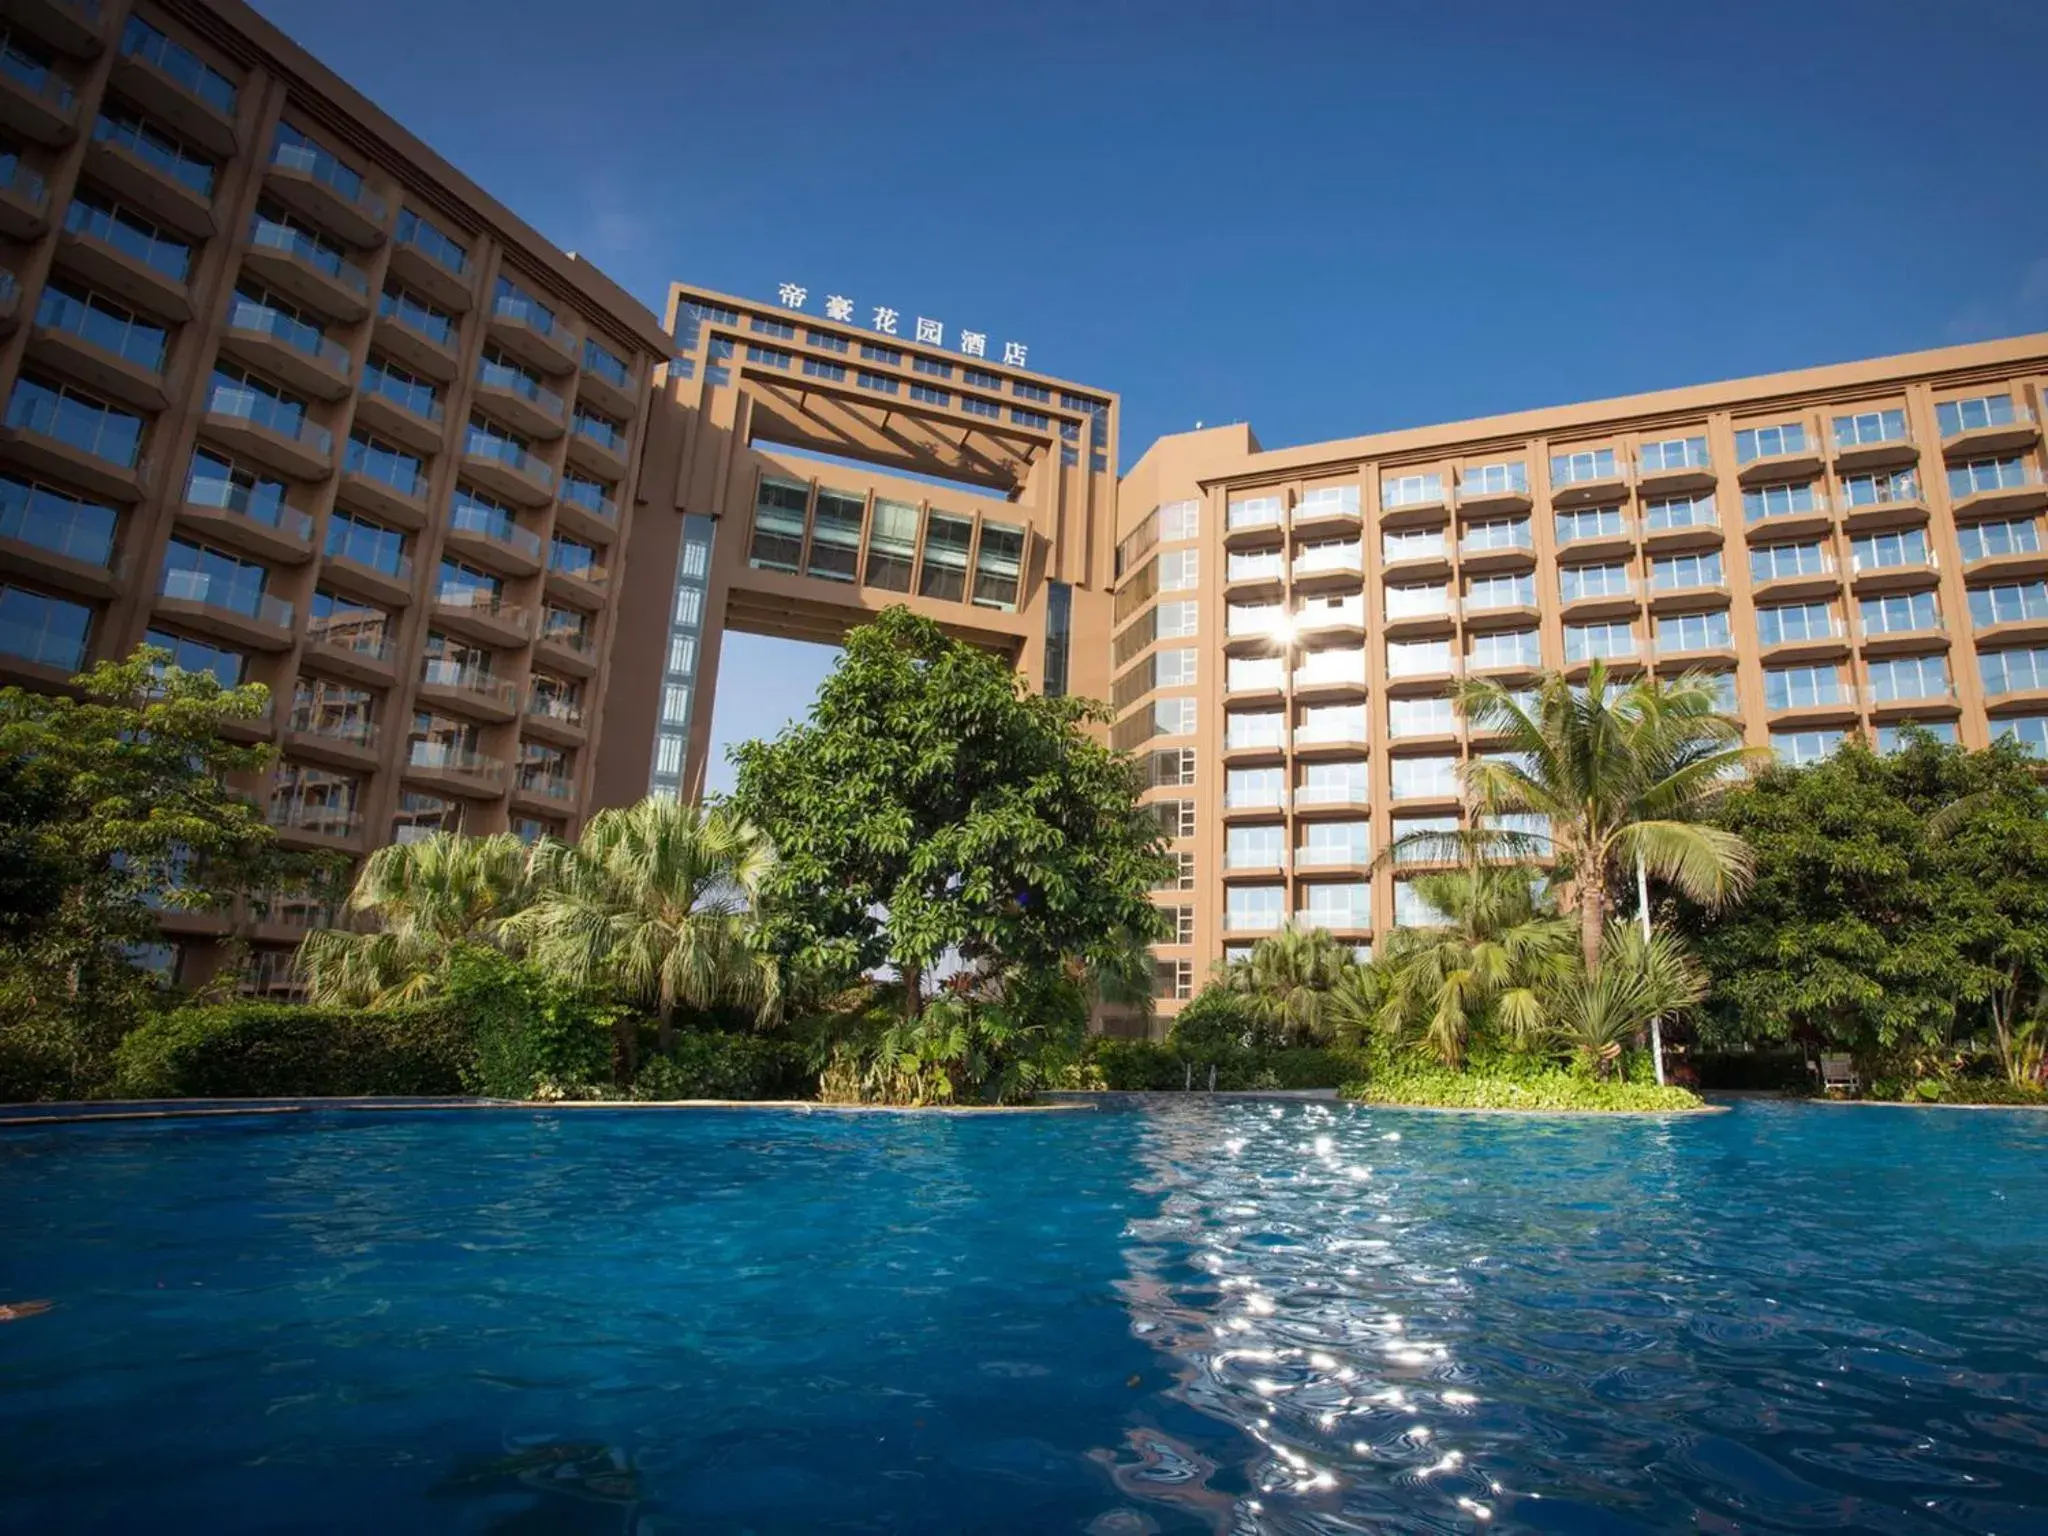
1324,217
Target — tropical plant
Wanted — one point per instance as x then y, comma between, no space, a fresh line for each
660,903
1489,968
425,899
1598,1014
1620,774
932,805
1288,980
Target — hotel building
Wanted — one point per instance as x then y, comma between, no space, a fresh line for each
1844,549
291,397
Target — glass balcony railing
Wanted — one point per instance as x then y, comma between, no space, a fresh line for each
1332,917
372,550
1672,457
1260,799
431,243
268,412
415,316
452,757
1268,566
601,362
1582,530
59,525
485,523
1334,667
269,511
293,151
133,340
501,450
412,395
552,786
1432,604
261,320
226,595
330,724
437,673
511,304
321,820
1493,480
36,78
1322,855
158,252
1313,561
297,244
129,135
1479,541
590,496
401,472
1988,476
1578,649
1958,417
548,706
516,381
1351,792
356,638
1595,591
602,433
1665,516
1348,614
21,183
569,637
1584,468
1255,676
1253,922
108,435
139,40
485,603
1264,512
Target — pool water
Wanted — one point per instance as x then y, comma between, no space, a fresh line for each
1203,1317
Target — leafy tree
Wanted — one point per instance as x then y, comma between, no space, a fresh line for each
1621,774
1489,969
658,902
425,898
932,804
1597,1014
1287,981
1219,1018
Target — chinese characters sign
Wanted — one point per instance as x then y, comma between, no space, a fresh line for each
931,333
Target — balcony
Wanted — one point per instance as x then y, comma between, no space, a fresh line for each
1428,667
1907,637
462,770
533,333
69,26
233,611
1252,922
1912,702
568,650
1587,479
1498,661
504,468
34,102
1427,791
1326,564
1978,490
1870,573
1615,655
583,510
1681,465
1254,629
386,485
1439,731
116,259
494,540
1406,611
120,359
1253,805
1806,641
408,412
1816,704
286,348
1330,674
254,423
65,543
1240,745
1495,548
197,105
1261,571
1345,920
519,399
554,718
1875,504
303,268
361,653
1774,583
368,573
1411,557
1682,524
420,339
1687,593
1587,537
1577,599
1692,648
1406,498
1254,520
1504,490
483,615
24,200
1327,736
608,382
1799,459
94,451
330,736
1486,609
316,826
174,192
228,515
548,793
1873,439
1974,427
1310,799
598,447
320,189
1342,617
1766,516
1261,678
467,690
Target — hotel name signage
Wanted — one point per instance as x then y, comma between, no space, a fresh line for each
886,320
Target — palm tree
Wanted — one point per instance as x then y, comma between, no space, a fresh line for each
658,900
1619,774
1640,977
1492,964
425,897
1288,979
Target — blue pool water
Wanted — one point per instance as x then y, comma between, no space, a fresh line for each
1211,1317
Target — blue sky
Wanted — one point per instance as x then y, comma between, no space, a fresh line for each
1324,218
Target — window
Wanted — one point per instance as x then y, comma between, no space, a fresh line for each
1254,788
1334,842
2015,671
1505,533
572,557
975,405
765,325
1576,582
1421,717
1678,572
980,377
1170,767
1176,817
879,382
1179,570
1504,648
1673,453
120,227
1982,475
771,357
1177,619
1985,541
199,573
1795,622
1411,910
1024,390
348,625
919,363
1584,465
2030,731
1419,544
1424,778
1798,748
364,541
1753,443
1428,839
1766,501
416,231
1602,642
826,341
1254,729
1593,523
1958,416
1506,479
1782,562
402,388
1909,677
1173,717
1510,591
314,799
892,549
1892,738
668,754
1693,632
779,508
2008,604
76,419
1174,980
326,708
1332,783
1252,512
682,653
190,655
101,322
1801,687
1414,658
818,368
1175,668
1887,551
42,515
836,525
1328,904
1880,488
1667,512
45,630
1332,722
162,151
1255,908
1869,428
1411,490
946,541
1183,878
930,394
1903,613
1024,418
1179,520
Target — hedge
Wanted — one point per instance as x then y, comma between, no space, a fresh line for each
1166,1066
721,1066
281,1050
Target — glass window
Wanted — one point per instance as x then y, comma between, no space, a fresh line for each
1256,908
1504,648
57,521
1334,842
1416,544
1179,570
190,655
1589,642
892,549
1901,613
1880,487
43,629
779,508
1958,416
1583,581
1505,479
1770,442
1584,465
1766,501
946,541
1179,520
1801,687
1170,766
1507,591
1981,475
1332,782
1674,453
1778,562
201,574
2014,671
76,419
1798,748
1328,501
1424,778
1592,523
1412,658
1329,904
1665,512
1677,572
1796,622
1984,541
1883,551
2030,731
1909,677
1693,631
1870,427
1421,717
365,542
1254,787
836,525
1253,847
1254,728
1411,490
1891,738
2008,604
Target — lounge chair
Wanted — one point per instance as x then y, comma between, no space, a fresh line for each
1839,1072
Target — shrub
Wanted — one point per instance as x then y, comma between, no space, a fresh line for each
1153,1066
1216,1019
281,1050
1479,1087
532,1036
719,1066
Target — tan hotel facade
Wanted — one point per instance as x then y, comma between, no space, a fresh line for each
289,395
1846,548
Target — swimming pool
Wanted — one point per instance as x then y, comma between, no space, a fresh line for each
1195,1318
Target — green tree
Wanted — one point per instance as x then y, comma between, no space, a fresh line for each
931,804
658,902
1288,980
424,899
1622,774
1489,970
1596,1014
